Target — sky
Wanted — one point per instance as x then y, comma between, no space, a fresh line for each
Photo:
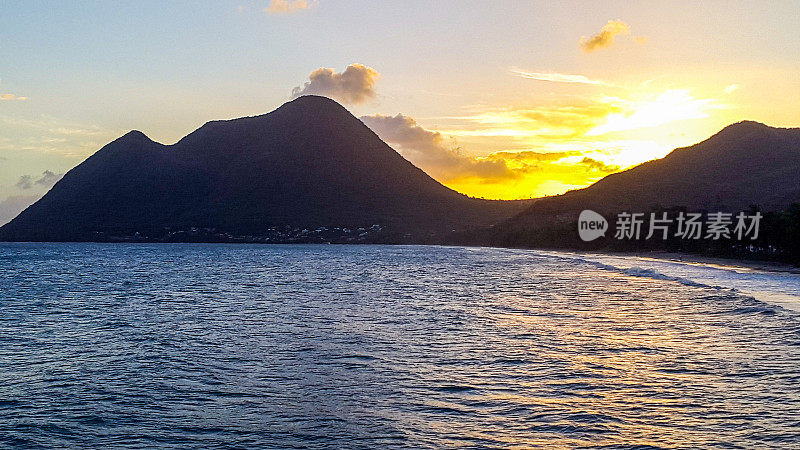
512,99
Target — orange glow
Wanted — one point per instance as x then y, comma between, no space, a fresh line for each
561,146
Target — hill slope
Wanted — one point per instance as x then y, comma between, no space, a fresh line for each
746,163
309,163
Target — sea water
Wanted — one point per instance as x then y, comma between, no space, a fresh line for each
242,346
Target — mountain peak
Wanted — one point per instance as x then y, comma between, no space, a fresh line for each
309,163
743,164
314,103
312,99
746,125
742,129
743,138
134,136
307,103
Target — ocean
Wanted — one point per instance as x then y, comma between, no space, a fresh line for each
336,346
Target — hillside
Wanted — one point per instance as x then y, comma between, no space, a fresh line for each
308,164
746,164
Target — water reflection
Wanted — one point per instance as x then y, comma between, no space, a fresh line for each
207,345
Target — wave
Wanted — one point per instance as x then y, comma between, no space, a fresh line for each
637,271
780,289
643,272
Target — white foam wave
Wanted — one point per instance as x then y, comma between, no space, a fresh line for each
777,288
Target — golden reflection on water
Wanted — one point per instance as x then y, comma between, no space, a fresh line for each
597,362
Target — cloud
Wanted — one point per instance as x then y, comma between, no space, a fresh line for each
530,156
49,135
12,206
48,179
355,85
500,174
550,122
76,131
536,173
12,97
605,38
431,151
287,6
557,77
569,143
24,182
600,166
529,161
583,119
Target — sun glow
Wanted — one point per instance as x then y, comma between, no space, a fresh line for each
670,106
587,138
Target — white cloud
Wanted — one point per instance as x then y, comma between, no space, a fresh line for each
355,85
557,77
46,134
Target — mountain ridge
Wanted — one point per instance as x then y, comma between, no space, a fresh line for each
309,163
743,166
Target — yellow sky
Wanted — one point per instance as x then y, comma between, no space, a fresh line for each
589,129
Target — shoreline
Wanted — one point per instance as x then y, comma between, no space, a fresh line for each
684,258
692,259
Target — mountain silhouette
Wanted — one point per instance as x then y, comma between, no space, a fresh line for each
744,164
309,163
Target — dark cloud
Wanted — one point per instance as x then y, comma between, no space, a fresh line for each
25,182
600,166
355,85
431,151
48,179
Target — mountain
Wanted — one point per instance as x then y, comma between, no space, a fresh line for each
746,163
309,163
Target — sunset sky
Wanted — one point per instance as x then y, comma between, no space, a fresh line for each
494,99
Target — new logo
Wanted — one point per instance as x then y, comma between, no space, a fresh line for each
591,225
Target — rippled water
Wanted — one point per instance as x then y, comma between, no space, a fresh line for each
361,346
